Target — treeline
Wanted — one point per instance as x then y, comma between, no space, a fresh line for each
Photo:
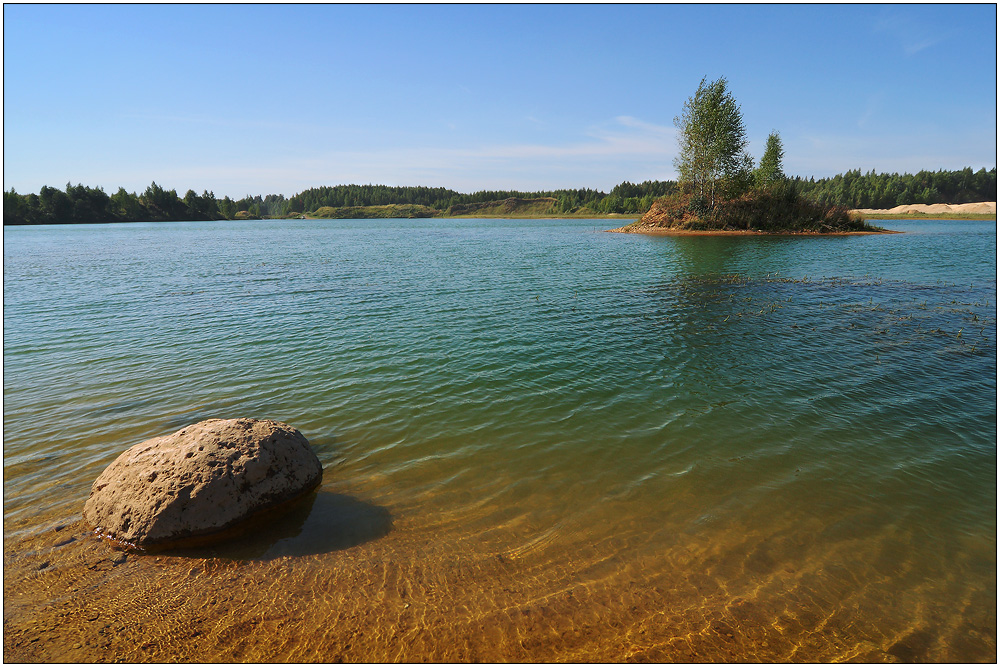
82,204
624,198
337,196
857,190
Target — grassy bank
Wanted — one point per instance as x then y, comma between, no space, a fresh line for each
365,212
512,207
534,208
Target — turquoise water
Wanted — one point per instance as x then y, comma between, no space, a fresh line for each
792,439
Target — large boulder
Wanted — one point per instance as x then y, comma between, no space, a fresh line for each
203,479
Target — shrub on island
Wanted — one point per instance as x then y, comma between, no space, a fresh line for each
777,208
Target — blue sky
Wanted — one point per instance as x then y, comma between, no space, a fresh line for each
258,99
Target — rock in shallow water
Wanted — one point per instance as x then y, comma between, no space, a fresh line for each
202,479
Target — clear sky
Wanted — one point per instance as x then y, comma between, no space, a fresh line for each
259,99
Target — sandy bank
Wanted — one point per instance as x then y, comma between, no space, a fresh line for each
981,208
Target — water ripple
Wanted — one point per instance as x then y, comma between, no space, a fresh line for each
805,423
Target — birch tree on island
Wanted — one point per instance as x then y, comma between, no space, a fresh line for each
712,140
770,170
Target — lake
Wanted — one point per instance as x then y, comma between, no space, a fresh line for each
541,442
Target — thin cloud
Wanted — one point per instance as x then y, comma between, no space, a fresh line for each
624,149
912,37
230,122
660,130
873,106
914,46
827,155
629,138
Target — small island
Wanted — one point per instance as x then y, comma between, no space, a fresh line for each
777,210
720,191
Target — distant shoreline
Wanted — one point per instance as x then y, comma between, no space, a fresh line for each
973,211
496,216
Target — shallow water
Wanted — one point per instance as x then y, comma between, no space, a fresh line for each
541,442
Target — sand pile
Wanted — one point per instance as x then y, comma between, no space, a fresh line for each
986,207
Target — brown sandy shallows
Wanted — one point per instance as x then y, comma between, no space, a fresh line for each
427,592
662,231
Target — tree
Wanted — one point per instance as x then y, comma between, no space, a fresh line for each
15,209
712,139
125,206
770,170
158,201
227,207
57,208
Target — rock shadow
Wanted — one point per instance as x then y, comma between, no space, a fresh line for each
319,523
